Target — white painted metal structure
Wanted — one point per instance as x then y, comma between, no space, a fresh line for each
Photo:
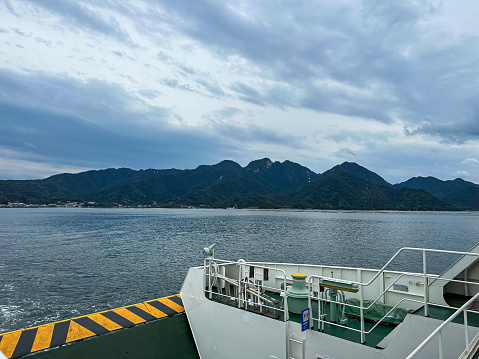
239,330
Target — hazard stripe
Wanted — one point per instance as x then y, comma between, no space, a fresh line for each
21,342
60,332
9,342
25,343
141,313
162,307
118,319
91,325
43,338
176,299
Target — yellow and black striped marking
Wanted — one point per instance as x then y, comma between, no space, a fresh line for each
26,341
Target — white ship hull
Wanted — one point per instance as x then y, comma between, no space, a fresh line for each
236,327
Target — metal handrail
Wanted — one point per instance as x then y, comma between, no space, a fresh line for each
441,327
392,308
426,277
396,254
382,270
240,264
380,295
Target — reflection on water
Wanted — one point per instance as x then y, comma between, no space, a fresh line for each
60,263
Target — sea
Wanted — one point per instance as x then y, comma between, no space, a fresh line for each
58,263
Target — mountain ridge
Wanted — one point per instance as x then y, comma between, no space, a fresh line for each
261,184
458,192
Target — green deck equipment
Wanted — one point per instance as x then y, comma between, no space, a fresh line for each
334,292
297,294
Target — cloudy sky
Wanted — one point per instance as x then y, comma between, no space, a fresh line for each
391,85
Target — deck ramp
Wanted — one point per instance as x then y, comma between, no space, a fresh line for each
25,341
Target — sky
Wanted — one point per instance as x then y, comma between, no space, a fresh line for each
391,85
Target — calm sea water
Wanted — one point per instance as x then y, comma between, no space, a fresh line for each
60,263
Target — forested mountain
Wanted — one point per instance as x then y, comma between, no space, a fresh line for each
350,186
261,184
458,192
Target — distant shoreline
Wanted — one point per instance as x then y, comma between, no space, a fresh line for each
377,211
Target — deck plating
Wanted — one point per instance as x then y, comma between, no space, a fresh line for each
25,341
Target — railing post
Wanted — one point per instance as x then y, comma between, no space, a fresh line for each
288,346
426,288
439,329
466,331
320,303
209,280
361,310
381,288
310,293
441,356
285,301
466,279
204,275
240,281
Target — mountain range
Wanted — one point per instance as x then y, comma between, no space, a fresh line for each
261,184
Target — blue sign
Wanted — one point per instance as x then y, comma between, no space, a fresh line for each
305,319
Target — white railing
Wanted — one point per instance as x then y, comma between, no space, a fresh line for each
243,286
361,307
212,265
361,285
438,331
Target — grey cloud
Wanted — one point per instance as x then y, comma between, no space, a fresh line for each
224,113
17,31
212,87
200,77
166,58
10,7
249,94
187,69
94,100
150,94
174,83
82,15
43,41
170,82
471,162
387,15
345,153
93,125
222,123
376,48
256,134
163,56
30,145
457,132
